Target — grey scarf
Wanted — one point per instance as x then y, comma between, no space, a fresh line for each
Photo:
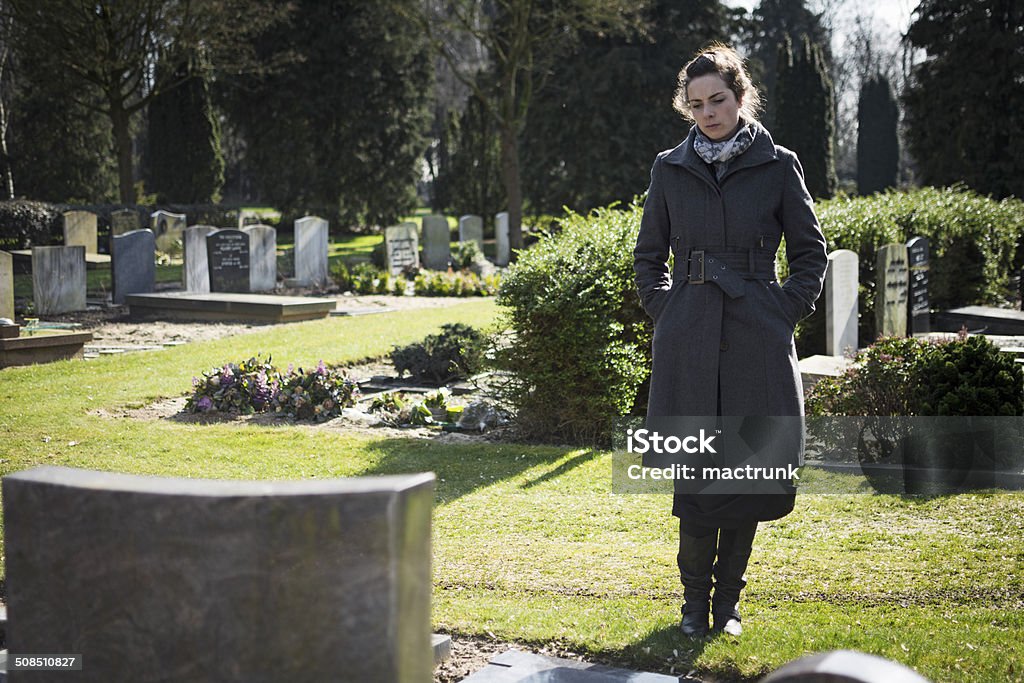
719,154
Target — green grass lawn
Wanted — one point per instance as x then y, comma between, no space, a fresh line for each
531,545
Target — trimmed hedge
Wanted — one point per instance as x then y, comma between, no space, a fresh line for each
580,349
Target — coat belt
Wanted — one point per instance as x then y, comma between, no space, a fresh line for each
726,267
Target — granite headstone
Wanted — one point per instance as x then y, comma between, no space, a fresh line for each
153,578
401,248
133,263
122,221
227,256
168,228
6,285
58,279
311,251
501,239
471,228
919,314
195,268
80,230
437,252
891,276
841,285
262,258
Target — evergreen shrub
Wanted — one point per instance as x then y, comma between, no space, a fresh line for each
456,353
580,348
25,224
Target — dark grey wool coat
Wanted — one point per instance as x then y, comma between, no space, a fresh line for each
725,347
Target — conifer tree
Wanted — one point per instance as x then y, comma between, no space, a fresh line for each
878,147
805,120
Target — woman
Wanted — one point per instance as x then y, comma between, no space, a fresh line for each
721,203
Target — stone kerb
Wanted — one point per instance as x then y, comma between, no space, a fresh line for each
311,234
152,578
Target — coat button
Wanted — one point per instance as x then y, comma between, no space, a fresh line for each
724,346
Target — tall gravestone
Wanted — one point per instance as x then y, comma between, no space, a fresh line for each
58,279
891,276
6,285
195,267
401,248
133,263
122,221
437,252
153,578
80,230
311,251
227,256
471,229
168,228
841,284
262,258
919,315
501,239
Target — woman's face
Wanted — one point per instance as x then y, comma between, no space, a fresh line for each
714,106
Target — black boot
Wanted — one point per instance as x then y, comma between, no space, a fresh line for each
734,546
696,557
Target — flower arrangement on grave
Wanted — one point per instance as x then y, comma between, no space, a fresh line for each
318,395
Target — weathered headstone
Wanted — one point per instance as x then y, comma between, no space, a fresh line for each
58,279
262,258
6,285
195,267
133,263
247,218
153,578
122,221
501,239
311,251
168,228
437,252
227,253
80,230
919,315
401,248
471,228
891,277
841,283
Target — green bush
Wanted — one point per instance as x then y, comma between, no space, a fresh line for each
456,353
458,283
466,254
25,224
975,247
580,352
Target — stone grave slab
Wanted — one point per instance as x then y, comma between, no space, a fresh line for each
168,228
133,256
841,282
198,580
227,258
42,348
401,248
58,279
471,228
6,285
437,252
986,319
262,258
892,288
122,221
503,251
195,267
919,313
80,230
311,234
515,666
259,308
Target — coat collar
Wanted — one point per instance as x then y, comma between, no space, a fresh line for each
761,151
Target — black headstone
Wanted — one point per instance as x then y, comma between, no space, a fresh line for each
227,253
918,315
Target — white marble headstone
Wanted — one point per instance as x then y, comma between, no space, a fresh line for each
262,258
471,228
501,239
311,251
841,282
195,271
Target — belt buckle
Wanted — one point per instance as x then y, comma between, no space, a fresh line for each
695,255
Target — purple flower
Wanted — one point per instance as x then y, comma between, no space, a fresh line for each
321,369
204,404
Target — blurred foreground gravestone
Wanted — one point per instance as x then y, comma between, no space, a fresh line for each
152,578
843,666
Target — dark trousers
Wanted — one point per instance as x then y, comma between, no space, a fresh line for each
714,560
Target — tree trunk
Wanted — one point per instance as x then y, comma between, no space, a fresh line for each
513,187
120,120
